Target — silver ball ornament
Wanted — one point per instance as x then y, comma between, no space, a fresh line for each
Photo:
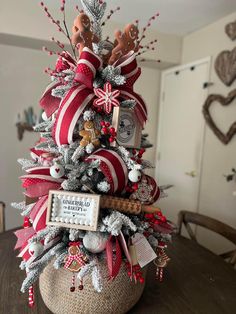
134,175
95,242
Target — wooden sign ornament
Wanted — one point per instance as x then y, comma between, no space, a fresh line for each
81,210
224,101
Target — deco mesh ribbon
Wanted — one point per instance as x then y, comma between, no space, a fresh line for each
82,93
113,167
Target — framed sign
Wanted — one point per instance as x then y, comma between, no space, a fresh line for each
127,126
73,210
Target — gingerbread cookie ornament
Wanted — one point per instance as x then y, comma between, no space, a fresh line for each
74,262
82,33
124,42
90,135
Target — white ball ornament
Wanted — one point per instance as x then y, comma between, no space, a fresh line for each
95,242
134,175
57,171
36,249
44,116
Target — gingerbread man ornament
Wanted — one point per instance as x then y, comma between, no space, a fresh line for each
89,134
124,42
75,259
82,33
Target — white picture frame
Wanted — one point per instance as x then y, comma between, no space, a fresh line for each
73,210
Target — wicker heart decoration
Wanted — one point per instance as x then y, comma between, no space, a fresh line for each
230,30
225,66
224,101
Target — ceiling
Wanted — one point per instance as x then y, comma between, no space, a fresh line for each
176,16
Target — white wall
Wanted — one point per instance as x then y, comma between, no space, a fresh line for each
216,199
22,81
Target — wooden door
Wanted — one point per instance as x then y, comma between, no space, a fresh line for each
181,135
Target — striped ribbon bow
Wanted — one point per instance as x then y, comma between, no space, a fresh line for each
82,94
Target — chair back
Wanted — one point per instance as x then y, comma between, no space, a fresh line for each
2,217
186,217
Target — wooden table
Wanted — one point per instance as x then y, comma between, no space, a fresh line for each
196,281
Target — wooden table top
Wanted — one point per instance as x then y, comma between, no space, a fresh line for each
196,281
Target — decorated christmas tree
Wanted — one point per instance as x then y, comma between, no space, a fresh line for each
88,209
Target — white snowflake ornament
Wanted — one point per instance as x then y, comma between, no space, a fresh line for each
107,99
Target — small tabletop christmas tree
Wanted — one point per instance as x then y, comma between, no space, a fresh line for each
88,199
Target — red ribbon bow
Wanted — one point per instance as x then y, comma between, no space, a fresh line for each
81,94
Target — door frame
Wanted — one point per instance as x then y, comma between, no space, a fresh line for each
208,61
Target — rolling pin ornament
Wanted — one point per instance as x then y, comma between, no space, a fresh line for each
123,205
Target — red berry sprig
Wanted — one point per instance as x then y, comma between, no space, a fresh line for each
137,155
155,219
107,129
135,274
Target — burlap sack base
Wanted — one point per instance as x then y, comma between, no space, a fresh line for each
117,297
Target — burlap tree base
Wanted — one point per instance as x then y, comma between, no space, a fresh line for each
117,296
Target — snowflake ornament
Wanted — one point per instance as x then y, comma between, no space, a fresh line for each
107,99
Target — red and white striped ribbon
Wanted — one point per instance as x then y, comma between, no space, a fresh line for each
38,213
87,67
70,110
140,108
129,68
48,102
113,167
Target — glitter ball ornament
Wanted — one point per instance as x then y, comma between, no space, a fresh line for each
134,175
57,171
36,249
94,242
106,98
147,192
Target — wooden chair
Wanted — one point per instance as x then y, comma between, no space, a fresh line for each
186,217
2,217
